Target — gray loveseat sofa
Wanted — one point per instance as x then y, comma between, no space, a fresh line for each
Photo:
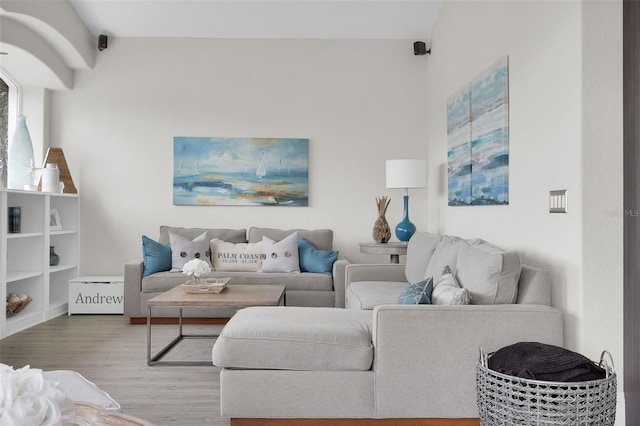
302,289
378,359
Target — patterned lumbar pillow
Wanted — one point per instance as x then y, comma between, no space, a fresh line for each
184,250
447,291
246,257
417,294
281,256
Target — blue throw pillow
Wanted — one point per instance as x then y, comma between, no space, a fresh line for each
417,294
314,260
156,256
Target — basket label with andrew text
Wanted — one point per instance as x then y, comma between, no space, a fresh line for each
96,297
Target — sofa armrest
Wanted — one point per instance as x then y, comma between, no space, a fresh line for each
426,355
133,287
339,267
370,272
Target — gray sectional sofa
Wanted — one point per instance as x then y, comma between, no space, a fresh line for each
379,359
302,289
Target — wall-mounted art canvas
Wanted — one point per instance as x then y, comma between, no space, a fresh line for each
488,132
459,147
240,171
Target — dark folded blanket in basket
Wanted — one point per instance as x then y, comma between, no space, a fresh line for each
537,361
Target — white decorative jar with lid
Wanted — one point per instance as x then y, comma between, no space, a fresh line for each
51,178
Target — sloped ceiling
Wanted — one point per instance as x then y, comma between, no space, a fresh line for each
43,41
318,19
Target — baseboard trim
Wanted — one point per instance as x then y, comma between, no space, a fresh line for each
354,422
170,320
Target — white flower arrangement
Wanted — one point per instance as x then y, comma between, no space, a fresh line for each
196,268
27,399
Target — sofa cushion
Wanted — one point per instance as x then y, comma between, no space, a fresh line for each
314,260
489,273
227,256
229,235
445,254
417,294
448,291
280,256
420,249
183,250
322,239
369,294
156,256
295,338
163,281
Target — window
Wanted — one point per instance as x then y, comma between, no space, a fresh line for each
4,131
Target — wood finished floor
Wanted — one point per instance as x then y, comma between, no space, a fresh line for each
111,353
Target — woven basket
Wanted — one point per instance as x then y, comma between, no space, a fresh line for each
509,400
209,285
15,308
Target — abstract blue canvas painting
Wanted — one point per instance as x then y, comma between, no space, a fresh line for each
240,171
490,135
478,139
459,147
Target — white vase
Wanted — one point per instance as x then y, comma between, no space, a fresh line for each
20,156
51,178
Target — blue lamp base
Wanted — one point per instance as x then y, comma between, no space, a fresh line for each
405,229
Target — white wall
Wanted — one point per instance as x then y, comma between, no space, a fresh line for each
565,86
359,103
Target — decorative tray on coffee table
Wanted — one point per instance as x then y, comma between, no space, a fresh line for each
208,285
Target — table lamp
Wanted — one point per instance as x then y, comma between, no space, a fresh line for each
406,174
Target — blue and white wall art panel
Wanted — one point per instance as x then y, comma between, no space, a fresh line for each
211,171
478,139
459,147
490,135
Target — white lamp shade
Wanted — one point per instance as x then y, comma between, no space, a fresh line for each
406,173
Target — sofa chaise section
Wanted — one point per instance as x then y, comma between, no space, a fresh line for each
424,359
424,356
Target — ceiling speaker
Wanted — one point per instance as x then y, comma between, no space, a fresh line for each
102,42
420,48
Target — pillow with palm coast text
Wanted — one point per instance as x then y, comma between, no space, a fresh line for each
490,273
238,257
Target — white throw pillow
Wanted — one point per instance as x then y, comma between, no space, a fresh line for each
447,291
280,256
243,257
183,250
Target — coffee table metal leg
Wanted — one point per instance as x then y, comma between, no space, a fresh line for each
155,360
149,335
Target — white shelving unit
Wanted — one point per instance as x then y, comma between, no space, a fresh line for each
24,256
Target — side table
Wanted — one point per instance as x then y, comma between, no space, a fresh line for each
393,249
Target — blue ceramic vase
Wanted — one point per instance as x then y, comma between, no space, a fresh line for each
405,229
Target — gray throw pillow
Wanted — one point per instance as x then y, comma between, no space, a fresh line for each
183,250
445,254
489,273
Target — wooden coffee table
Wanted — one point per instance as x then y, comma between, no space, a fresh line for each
233,296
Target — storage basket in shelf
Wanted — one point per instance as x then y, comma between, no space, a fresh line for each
207,286
509,400
14,308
